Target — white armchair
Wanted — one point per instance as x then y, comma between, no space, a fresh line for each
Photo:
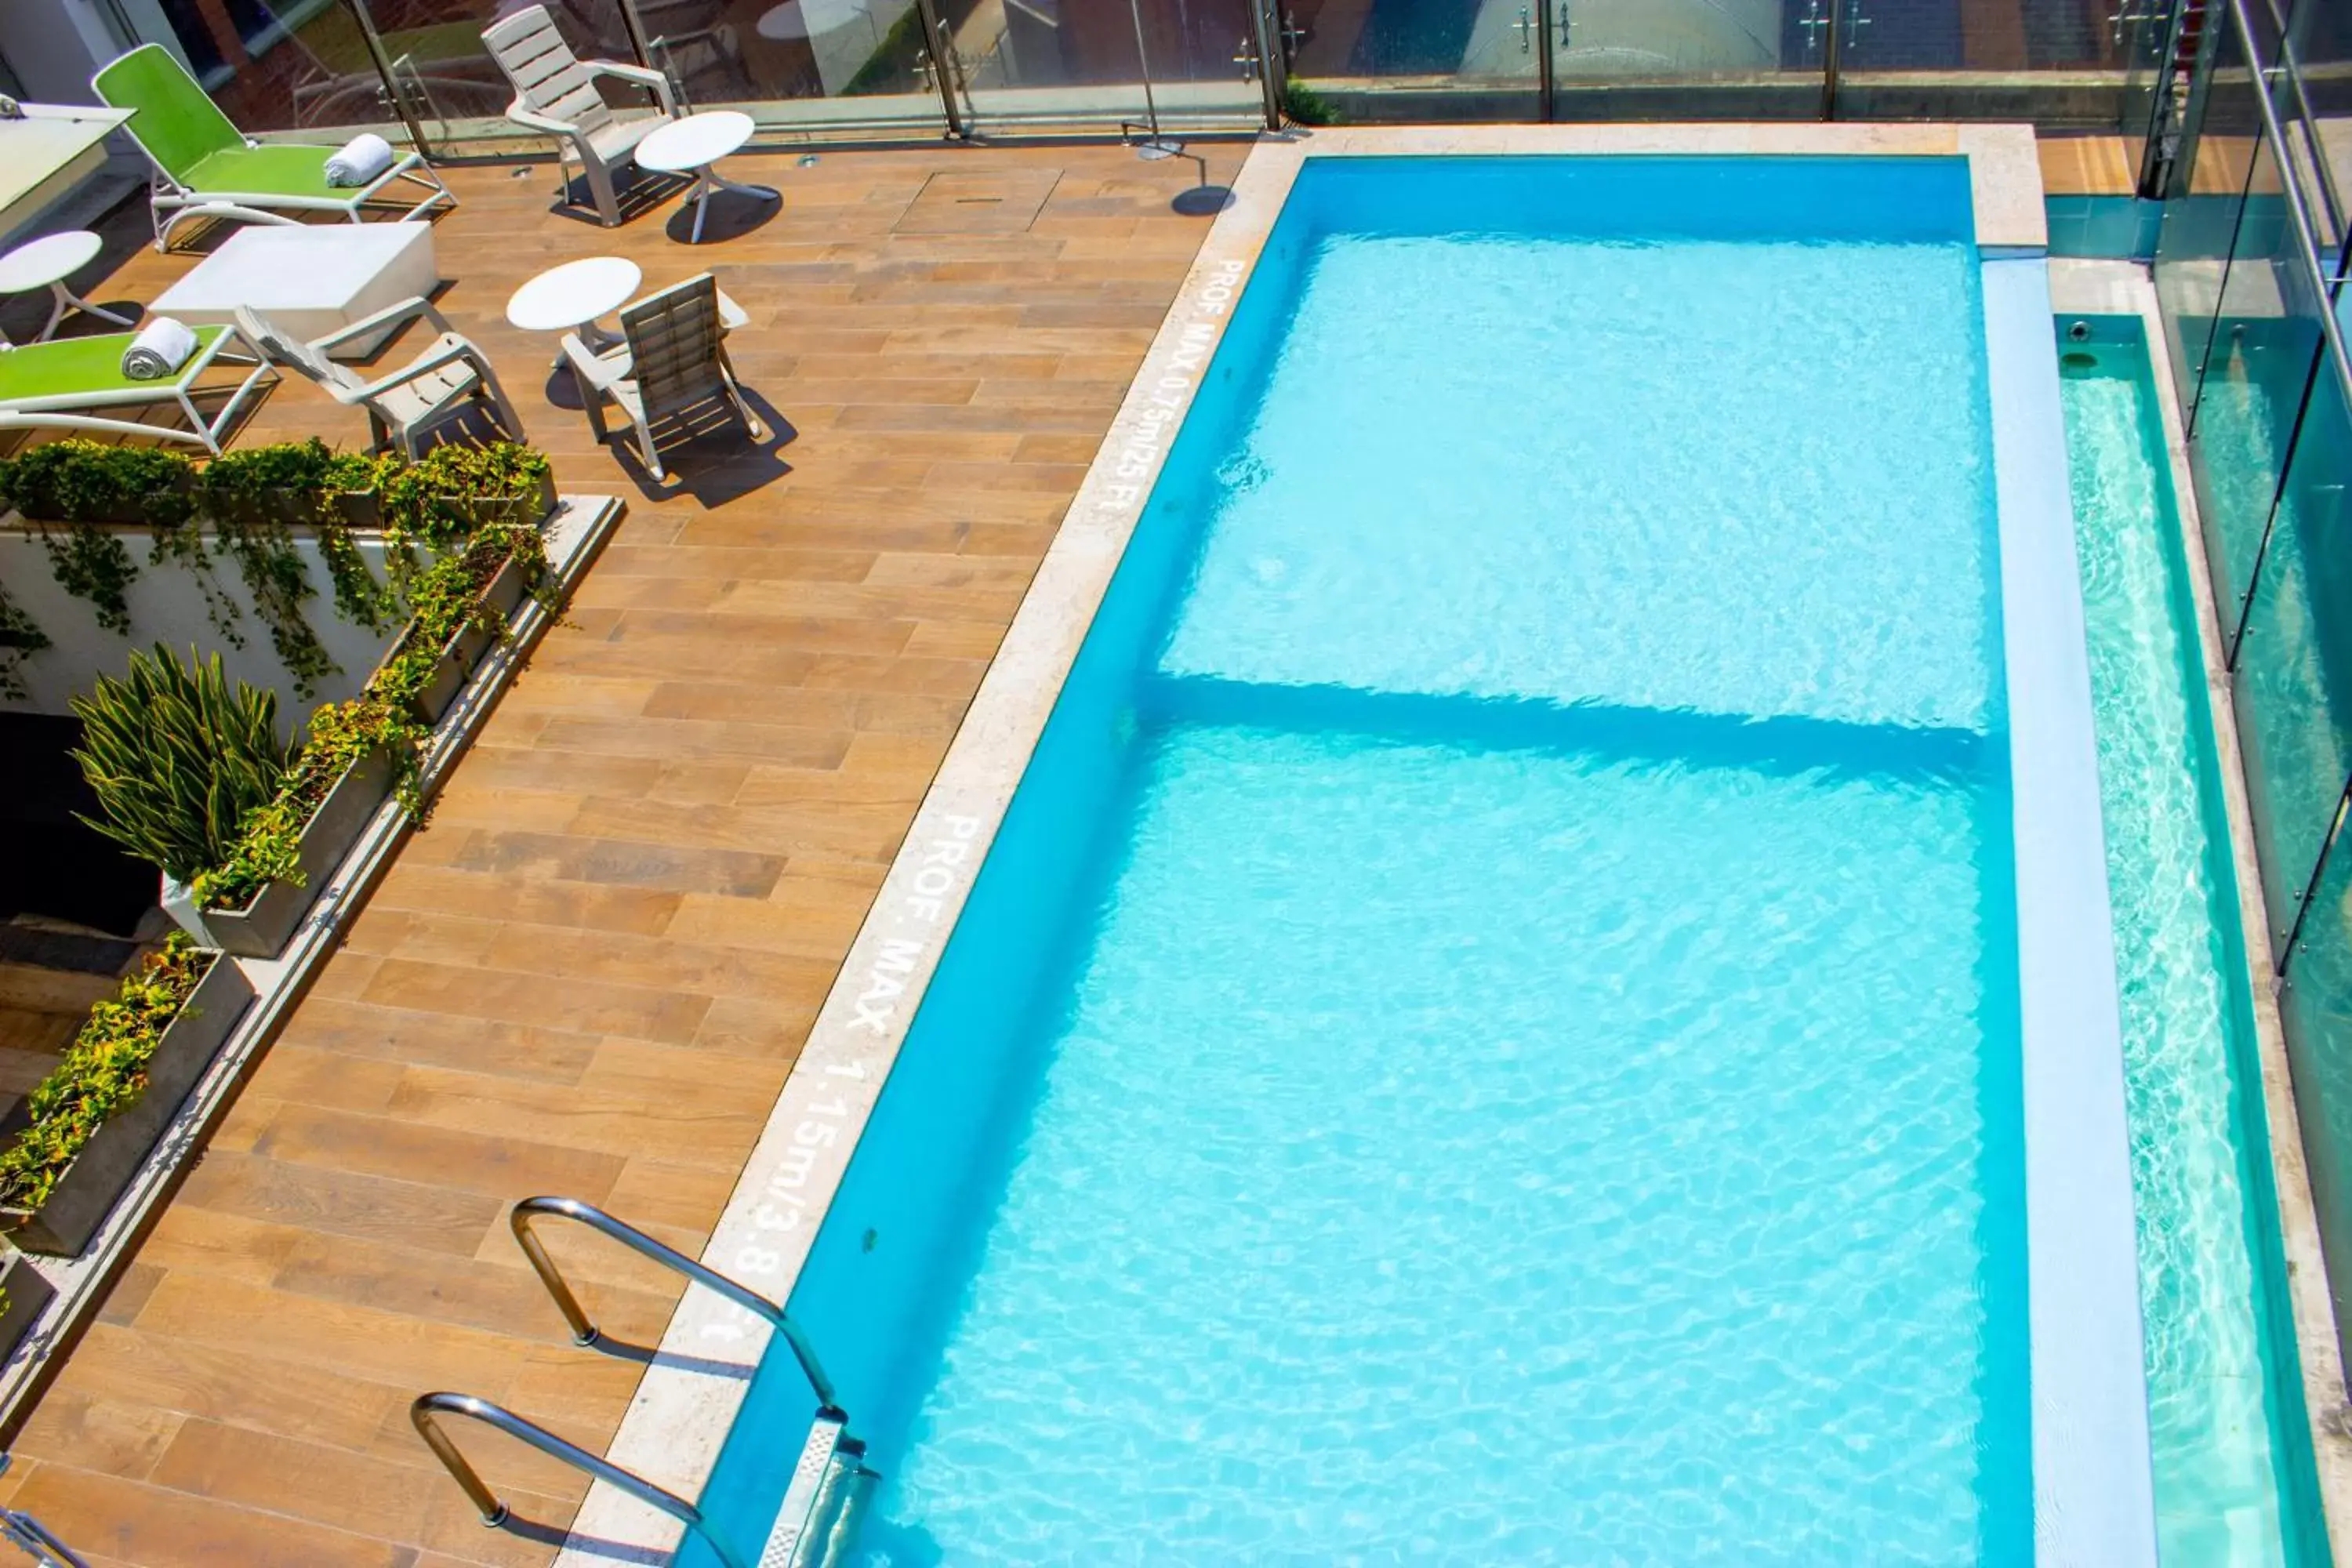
671,375
403,404
555,95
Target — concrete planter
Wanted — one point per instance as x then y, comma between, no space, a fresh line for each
502,593
104,1169
28,1295
263,927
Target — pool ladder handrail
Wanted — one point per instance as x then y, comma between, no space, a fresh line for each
583,1329
425,1412
34,1539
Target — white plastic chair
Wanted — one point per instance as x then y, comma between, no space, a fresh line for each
404,404
672,374
555,95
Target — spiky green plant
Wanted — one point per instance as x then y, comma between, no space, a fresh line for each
178,759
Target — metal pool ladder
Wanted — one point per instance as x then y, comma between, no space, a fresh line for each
817,1524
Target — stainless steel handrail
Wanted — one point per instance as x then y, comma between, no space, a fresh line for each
428,1407
33,1538
583,1329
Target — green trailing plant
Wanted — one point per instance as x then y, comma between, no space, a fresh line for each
93,564
254,498
68,490
251,501
1302,105
451,494
445,599
269,843
101,1075
20,638
178,760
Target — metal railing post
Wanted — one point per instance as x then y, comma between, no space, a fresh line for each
945,71
1547,42
384,73
1829,50
424,1414
1273,59
583,1328
34,1539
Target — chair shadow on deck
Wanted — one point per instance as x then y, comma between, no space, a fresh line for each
644,195
715,466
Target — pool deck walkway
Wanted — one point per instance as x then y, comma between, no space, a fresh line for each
593,971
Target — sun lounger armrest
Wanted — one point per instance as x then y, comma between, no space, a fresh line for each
391,316
530,119
415,369
601,374
652,80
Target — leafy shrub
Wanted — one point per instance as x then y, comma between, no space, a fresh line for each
101,1075
267,845
177,760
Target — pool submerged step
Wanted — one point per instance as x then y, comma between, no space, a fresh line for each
817,1524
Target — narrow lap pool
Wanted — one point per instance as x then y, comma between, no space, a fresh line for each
1492,1027
2234,1487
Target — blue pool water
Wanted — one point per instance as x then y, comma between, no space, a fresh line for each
1489,1033
2234,1487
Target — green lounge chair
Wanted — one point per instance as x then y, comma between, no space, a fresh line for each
204,168
70,383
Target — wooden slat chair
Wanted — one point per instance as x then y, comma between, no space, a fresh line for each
672,375
555,95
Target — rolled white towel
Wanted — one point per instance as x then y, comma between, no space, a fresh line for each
358,160
161,347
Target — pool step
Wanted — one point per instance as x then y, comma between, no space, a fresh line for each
817,1524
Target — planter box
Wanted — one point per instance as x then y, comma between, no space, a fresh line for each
27,1294
502,593
262,928
63,1225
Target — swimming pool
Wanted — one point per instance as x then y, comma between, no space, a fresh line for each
2234,1483
1492,1027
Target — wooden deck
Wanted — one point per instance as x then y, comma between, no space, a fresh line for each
591,974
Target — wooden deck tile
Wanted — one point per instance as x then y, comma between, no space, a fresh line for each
593,970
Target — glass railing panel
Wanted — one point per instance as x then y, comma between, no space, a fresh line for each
1203,57
2315,1006
1077,63
1361,61
2294,674
448,84
1747,59
2258,363
2207,192
2051,62
799,65
297,65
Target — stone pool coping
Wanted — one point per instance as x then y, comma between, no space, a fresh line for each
689,1397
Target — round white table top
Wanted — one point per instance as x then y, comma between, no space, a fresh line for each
696,142
574,294
782,23
47,260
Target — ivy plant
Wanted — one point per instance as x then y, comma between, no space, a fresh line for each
101,1075
20,638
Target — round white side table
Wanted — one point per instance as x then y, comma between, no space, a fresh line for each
46,263
690,146
571,296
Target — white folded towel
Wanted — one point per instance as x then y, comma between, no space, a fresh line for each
358,160
161,347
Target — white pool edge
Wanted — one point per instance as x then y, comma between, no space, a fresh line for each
2094,1496
688,1399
